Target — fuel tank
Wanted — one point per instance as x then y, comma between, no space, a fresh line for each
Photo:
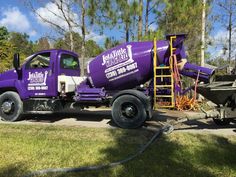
131,64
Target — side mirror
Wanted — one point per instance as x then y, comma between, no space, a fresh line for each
16,61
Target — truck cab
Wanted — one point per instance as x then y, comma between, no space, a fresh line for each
42,79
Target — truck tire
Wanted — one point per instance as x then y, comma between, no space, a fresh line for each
128,112
222,122
11,106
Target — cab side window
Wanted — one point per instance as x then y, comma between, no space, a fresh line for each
69,62
41,60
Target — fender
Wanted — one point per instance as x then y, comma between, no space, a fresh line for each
140,95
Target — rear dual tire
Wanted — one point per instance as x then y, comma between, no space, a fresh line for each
128,112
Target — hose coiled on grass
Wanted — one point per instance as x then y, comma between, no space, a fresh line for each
166,129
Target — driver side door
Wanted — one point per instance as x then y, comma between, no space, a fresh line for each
38,76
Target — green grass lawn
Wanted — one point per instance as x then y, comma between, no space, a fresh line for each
25,148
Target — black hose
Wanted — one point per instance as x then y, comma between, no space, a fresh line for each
165,129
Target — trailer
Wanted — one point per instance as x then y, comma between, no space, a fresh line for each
222,92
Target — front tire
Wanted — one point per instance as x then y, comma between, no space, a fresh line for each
11,106
128,112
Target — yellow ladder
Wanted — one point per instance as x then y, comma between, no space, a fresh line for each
162,72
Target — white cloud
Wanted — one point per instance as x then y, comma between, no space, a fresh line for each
153,27
219,42
32,33
15,20
221,37
51,13
94,36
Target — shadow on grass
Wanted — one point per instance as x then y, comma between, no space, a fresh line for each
215,156
13,170
206,124
95,116
169,158
175,155
220,153
159,117
84,115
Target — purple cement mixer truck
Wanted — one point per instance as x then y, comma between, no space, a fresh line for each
49,81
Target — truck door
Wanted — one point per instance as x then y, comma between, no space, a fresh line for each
39,78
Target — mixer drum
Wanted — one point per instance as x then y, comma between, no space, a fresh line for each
125,66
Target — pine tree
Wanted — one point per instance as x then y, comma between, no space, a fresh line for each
184,16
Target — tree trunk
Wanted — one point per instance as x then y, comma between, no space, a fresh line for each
71,40
203,32
199,96
134,27
127,32
83,37
127,25
146,17
230,30
140,20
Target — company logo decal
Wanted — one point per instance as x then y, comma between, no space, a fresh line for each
37,80
119,63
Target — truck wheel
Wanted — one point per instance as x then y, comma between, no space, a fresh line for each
11,106
128,112
222,122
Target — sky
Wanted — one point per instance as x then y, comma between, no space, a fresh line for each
17,17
